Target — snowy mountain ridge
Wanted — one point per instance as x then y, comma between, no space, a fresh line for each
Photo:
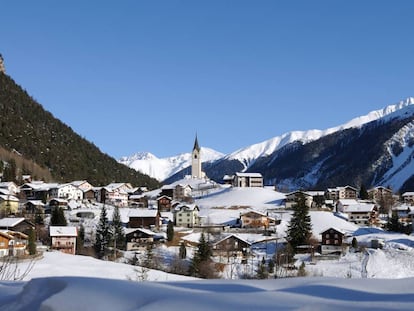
161,169
249,154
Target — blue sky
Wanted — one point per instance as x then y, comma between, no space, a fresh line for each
135,76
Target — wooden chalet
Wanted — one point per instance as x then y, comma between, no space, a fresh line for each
164,203
63,239
231,246
144,218
332,240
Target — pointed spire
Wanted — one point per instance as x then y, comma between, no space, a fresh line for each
196,146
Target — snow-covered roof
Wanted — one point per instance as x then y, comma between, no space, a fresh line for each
334,228
9,198
36,202
142,212
407,194
359,208
348,202
186,207
258,175
146,231
233,235
63,231
60,200
10,221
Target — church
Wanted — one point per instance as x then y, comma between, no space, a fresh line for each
196,171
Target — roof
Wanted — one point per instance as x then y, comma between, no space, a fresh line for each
63,231
9,198
235,236
334,228
249,175
142,212
146,231
186,207
348,202
405,194
60,200
36,202
359,208
10,221
196,146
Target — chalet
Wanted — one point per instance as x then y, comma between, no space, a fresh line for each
164,203
9,205
362,213
143,218
186,215
380,194
408,198
66,191
63,239
255,219
332,240
82,185
167,190
232,246
293,197
182,192
339,193
12,243
115,194
34,207
138,237
228,180
16,224
138,201
37,190
10,186
248,180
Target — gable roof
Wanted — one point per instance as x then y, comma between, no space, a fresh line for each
10,221
334,228
258,175
235,236
146,231
143,212
63,231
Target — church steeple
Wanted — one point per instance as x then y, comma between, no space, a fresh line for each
196,146
196,160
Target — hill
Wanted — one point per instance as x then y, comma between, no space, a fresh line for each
34,134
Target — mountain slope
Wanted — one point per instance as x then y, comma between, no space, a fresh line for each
375,149
35,134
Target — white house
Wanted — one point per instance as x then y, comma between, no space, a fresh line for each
248,180
186,215
10,186
66,191
115,194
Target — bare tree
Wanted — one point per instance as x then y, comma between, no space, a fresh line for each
11,270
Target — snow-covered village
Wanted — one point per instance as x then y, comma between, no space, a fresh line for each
197,228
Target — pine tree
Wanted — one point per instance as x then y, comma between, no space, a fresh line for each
182,251
201,262
32,242
102,234
363,193
393,223
299,230
80,240
58,217
117,231
170,231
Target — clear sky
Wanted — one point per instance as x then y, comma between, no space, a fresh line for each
136,75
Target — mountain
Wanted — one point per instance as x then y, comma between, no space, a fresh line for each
375,149
163,168
29,132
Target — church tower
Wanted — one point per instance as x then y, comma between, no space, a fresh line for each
196,160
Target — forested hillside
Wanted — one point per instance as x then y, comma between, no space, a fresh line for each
30,132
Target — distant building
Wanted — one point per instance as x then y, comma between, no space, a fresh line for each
196,160
248,180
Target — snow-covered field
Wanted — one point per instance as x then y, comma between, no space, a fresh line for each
63,282
374,279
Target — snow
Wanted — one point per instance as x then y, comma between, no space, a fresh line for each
95,293
161,169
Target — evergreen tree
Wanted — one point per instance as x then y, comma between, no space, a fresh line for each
32,242
299,229
117,231
393,223
58,217
363,193
271,266
102,234
201,262
170,231
182,251
354,243
10,171
80,239
261,269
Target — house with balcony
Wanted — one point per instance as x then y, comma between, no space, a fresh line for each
186,215
63,239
